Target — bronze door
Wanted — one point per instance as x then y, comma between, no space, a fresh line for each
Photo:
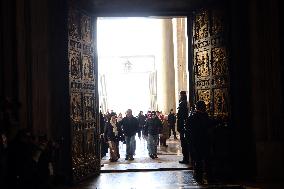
84,111
211,61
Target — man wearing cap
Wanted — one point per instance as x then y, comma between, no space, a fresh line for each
182,115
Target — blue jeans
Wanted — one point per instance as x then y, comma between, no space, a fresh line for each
130,145
152,143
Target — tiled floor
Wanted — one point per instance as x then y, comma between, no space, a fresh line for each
168,158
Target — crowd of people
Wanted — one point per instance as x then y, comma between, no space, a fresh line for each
26,160
154,127
28,157
193,127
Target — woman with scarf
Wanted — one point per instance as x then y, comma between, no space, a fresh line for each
112,135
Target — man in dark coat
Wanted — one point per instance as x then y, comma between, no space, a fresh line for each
182,116
104,145
129,128
199,124
151,131
172,123
141,120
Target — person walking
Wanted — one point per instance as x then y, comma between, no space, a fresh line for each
165,132
151,131
112,135
141,120
172,123
182,116
129,128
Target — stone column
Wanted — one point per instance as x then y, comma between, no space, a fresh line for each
166,80
180,63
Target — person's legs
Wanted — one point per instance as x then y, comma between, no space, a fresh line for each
150,145
164,142
132,146
155,142
112,150
161,139
117,149
172,129
127,142
139,132
174,132
198,171
185,149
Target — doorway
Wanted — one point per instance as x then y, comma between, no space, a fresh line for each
133,73
208,71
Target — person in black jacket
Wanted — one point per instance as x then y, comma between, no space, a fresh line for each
151,131
182,116
141,120
104,145
199,124
172,123
129,128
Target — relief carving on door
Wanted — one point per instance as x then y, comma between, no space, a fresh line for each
210,61
202,64
83,96
201,25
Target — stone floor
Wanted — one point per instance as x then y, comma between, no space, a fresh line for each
144,172
168,158
148,180
162,173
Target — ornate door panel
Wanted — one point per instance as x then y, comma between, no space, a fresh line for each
85,142
210,61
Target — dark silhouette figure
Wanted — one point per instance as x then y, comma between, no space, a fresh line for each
45,162
141,120
199,124
172,122
21,164
104,145
182,116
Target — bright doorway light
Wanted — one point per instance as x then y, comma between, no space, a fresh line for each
127,51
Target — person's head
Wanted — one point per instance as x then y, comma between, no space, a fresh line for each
141,112
129,113
113,119
182,95
171,110
23,136
200,106
112,113
149,114
42,141
153,114
165,117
